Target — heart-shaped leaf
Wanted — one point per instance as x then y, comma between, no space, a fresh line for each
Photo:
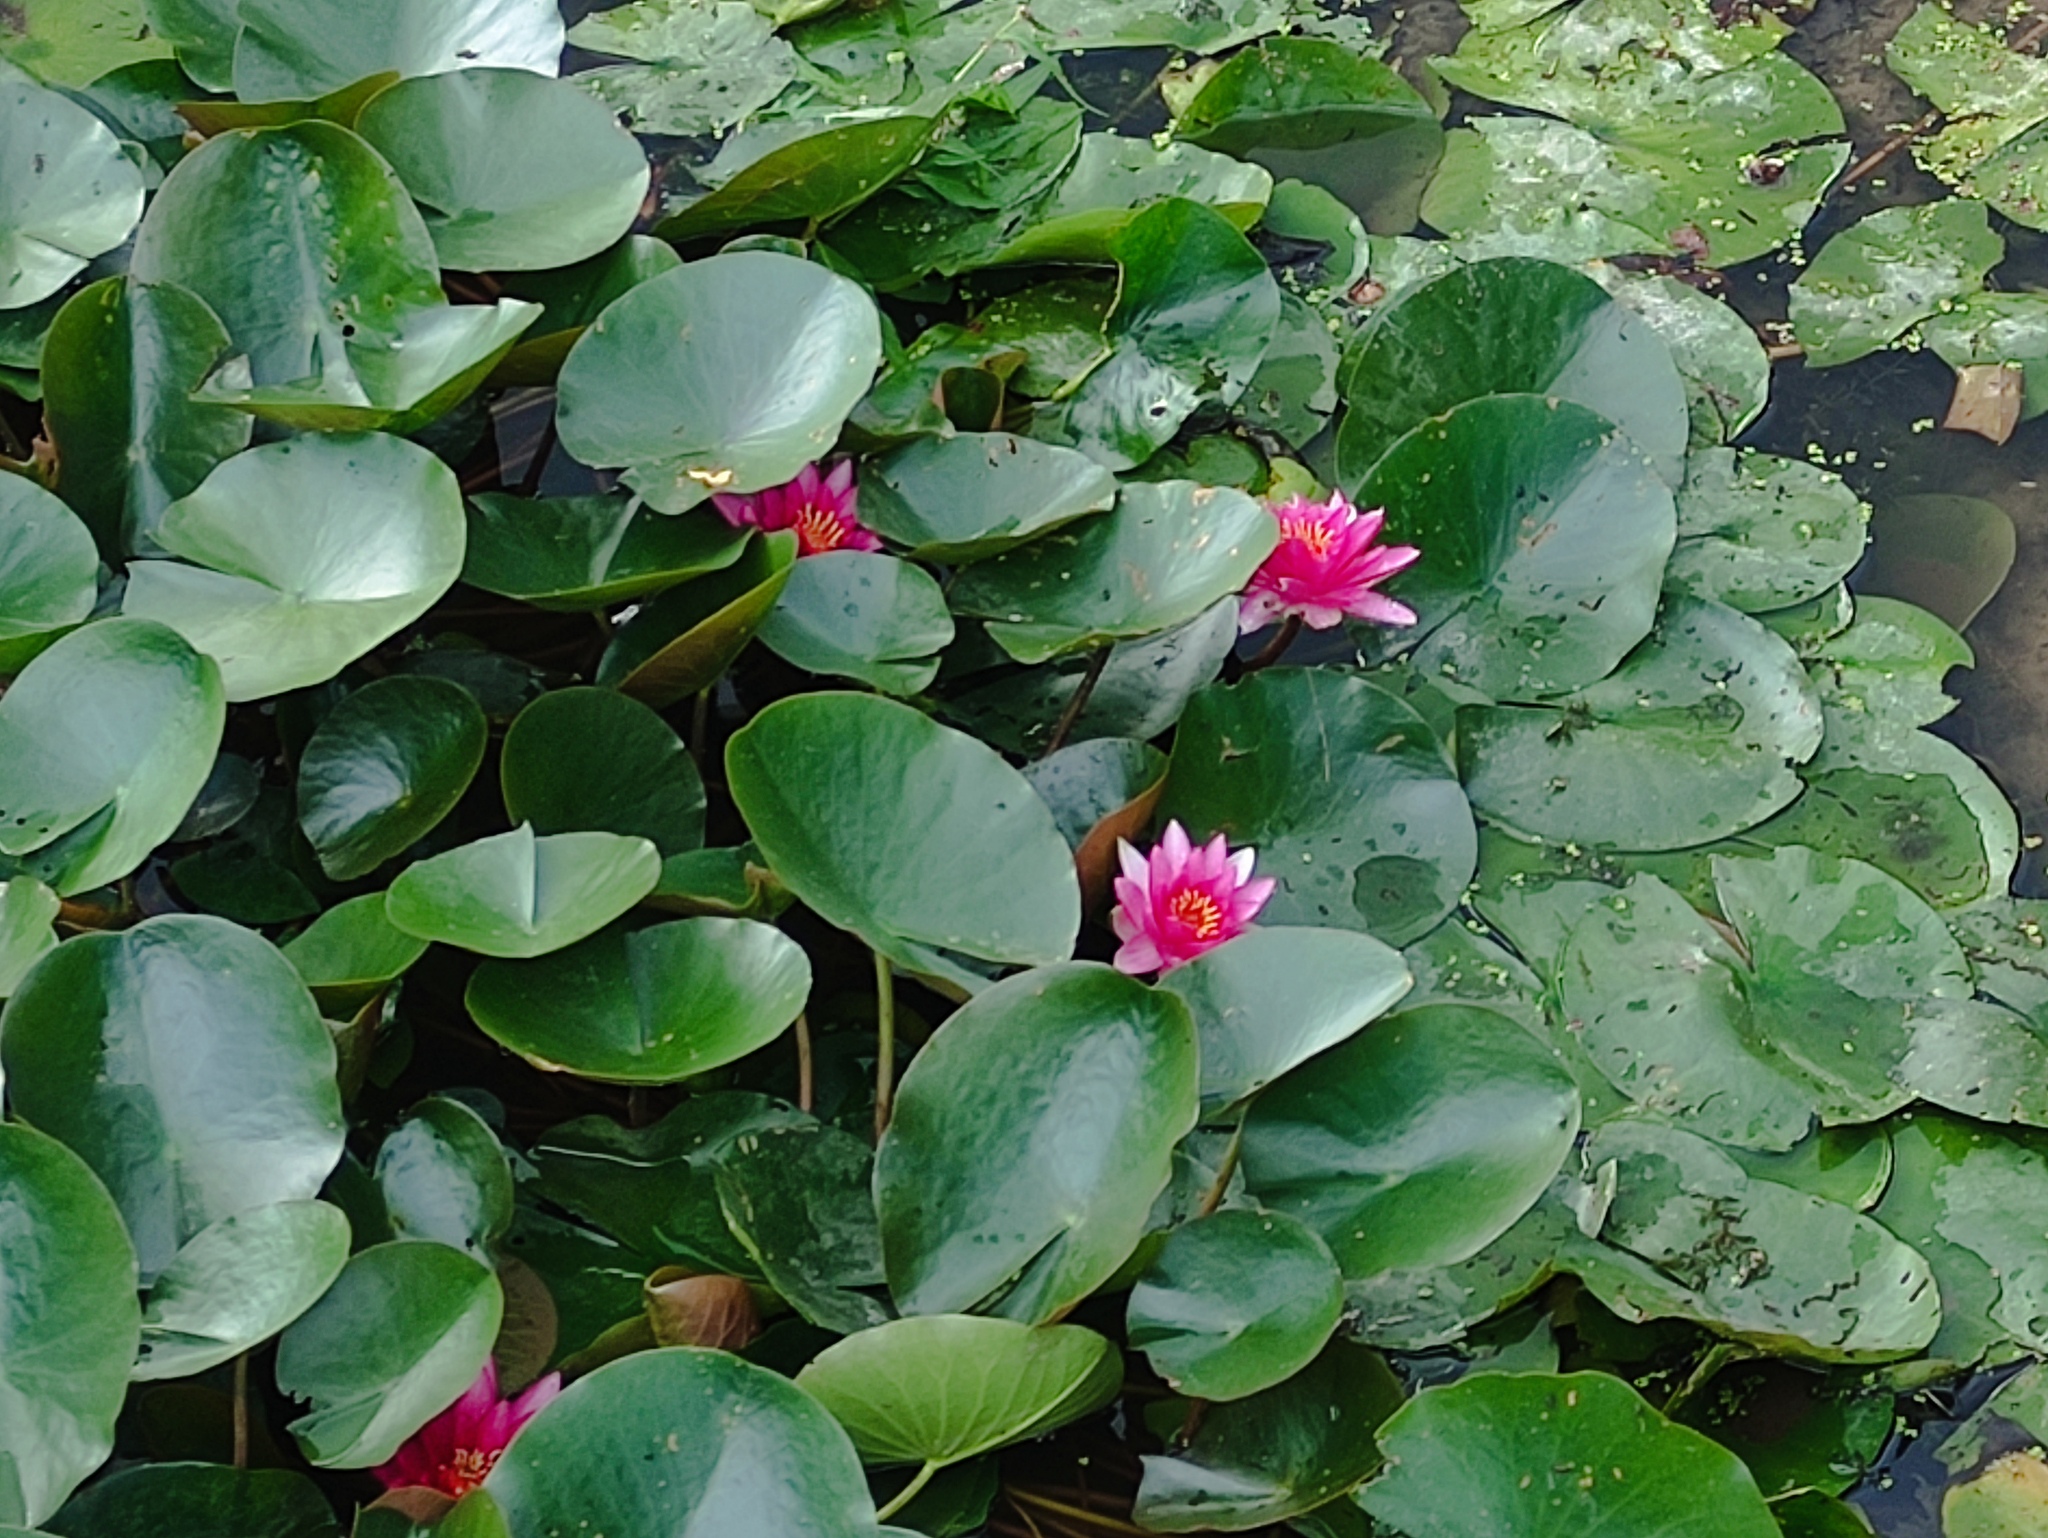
684,1441
974,495
49,572
67,192
105,741
1074,1055
403,1331
581,760
518,895
681,643
389,762
296,49
1373,835
1416,1143
99,1045
514,171
649,1006
575,553
903,831
1543,532
68,1326
730,374
1554,1456
1235,1303
238,1282
947,1387
165,1500
305,555
861,615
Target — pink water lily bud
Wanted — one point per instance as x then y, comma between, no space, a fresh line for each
455,1450
1326,567
819,508
1181,901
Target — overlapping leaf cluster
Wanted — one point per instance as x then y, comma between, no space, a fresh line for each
466,898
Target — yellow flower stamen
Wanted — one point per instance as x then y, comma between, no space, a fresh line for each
1320,538
818,529
1198,911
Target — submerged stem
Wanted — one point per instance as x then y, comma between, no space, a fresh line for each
242,1411
804,1072
885,1055
909,1492
1276,648
1078,703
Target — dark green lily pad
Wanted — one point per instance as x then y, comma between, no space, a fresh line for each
791,171
573,553
862,615
579,760
799,1198
975,495
49,572
683,641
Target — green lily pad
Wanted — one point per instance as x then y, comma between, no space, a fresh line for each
580,760
1312,110
1294,392
1722,360
1343,790
1278,1454
385,767
975,495
795,170
26,910
1544,535
105,741
1194,312
1075,1055
575,553
1553,1456
1503,326
683,641
514,171
1273,998
703,65
49,572
1341,1142
862,615
904,832
1875,281
238,1282
1757,532
405,1328
123,359
1947,553
67,192
1165,554
74,44
774,353
946,1387
304,556
99,1045
290,49
653,1006
1994,99
344,327
160,1500
69,1326
799,1198
517,895
349,953
571,298
1978,1059
684,1441
444,1176
1235,1303
2008,329
1716,703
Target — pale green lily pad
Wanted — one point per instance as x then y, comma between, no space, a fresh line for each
297,49
863,615
517,895
1758,532
67,192
703,65
49,571
1873,282
973,495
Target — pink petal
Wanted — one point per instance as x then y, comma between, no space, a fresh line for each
1382,610
1134,864
1137,956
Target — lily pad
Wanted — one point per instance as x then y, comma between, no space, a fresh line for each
160,1499
1373,835
862,615
1416,1143
799,1198
579,760
1508,325
68,1329
1114,177
975,495
575,553
238,1282
444,1176
1235,1303
650,1006
1994,99
1076,1055
702,65
774,353
105,741
293,49
26,910
403,1331
681,643
1551,1456
67,192
1758,532
99,1043
1165,554
49,572
796,170
351,951
385,767
518,895
1875,281
907,833
1545,533
304,555
514,171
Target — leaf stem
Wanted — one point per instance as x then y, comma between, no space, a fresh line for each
1275,649
909,1492
885,1054
1078,703
700,727
242,1411
805,1081
1217,1190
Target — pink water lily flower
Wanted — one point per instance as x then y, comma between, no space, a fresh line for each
1325,567
455,1450
1181,901
819,508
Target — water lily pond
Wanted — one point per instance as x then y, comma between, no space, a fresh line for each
866,768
